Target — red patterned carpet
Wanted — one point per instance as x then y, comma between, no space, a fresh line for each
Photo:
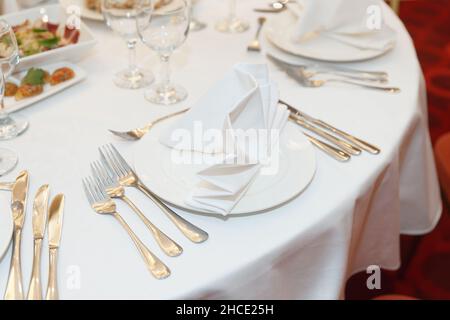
425,272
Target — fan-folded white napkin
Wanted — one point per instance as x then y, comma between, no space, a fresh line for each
353,22
244,101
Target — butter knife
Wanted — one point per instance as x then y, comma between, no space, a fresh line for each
40,207
357,141
14,288
55,220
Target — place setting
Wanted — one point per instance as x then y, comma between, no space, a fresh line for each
251,158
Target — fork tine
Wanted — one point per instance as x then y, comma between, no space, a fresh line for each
99,172
121,159
106,155
116,160
87,191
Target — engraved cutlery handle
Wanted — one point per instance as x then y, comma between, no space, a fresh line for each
35,290
347,147
192,232
328,149
360,143
52,287
14,289
170,247
158,269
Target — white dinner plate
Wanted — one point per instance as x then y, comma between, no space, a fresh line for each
279,30
56,14
11,105
85,11
173,182
6,223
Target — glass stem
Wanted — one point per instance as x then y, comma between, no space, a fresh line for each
132,57
165,70
232,12
3,114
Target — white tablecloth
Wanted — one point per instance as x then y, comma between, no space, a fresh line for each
350,216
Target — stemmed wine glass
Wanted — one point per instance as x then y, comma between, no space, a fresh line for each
164,30
195,25
9,127
120,16
232,23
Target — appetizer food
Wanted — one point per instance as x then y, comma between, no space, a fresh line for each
28,90
61,75
10,89
35,80
94,5
41,36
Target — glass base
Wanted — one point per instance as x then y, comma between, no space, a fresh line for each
8,160
11,127
141,78
196,25
161,94
232,25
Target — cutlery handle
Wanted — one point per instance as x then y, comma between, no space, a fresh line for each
148,126
352,76
360,143
52,286
347,147
170,247
192,232
368,86
158,269
6,186
328,149
14,288
35,290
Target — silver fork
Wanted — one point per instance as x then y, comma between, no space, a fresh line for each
316,83
103,204
128,178
136,134
115,190
255,45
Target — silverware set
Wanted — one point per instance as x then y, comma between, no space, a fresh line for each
111,175
339,149
305,75
19,190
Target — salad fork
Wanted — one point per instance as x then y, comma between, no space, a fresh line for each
128,178
138,133
103,204
115,190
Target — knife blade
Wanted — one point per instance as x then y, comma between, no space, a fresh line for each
55,220
14,288
19,195
40,206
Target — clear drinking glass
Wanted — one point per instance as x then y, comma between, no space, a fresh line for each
9,127
232,23
195,25
120,16
164,30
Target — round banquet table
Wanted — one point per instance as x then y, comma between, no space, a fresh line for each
350,216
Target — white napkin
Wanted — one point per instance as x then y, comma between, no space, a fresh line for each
244,100
347,21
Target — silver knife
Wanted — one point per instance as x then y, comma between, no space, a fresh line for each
55,220
40,207
14,288
357,141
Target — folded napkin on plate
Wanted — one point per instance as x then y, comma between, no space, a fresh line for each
244,100
347,21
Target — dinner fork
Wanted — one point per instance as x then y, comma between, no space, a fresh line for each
255,44
128,178
115,190
138,133
317,83
103,204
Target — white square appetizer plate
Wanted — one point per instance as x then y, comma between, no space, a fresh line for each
12,105
53,14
